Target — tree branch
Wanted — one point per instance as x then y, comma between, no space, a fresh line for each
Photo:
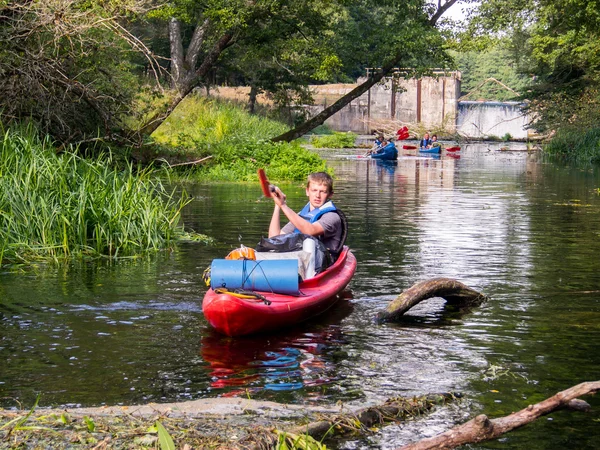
481,428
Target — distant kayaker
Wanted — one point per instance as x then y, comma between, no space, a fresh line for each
319,218
425,142
434,141
379,148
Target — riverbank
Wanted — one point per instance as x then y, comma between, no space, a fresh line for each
205,423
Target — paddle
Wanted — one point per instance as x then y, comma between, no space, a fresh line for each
402,133
264,183
409,147
452,149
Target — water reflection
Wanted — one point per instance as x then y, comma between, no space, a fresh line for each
284,361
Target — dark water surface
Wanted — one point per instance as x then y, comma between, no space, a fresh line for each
524,232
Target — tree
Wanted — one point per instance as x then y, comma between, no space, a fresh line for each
412,41
560,40
67,65
491,74
276,45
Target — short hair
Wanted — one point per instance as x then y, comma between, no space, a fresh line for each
321,178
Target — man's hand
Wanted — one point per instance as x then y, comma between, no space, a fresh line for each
278,196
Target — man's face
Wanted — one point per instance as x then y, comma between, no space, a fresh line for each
317,194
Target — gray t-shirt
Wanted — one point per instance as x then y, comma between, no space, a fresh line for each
332,226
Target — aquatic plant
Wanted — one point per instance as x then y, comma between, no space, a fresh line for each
59,205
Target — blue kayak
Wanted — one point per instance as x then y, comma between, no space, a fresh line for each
387,153
431,150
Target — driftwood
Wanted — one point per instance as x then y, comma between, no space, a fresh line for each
189,163
454,292
338,425
481,428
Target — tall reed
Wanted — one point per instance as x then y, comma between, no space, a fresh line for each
60,205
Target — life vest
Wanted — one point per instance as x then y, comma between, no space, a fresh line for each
315,214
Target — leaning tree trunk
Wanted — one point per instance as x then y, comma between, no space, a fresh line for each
454,292
320,118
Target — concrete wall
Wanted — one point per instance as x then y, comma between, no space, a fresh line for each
430,102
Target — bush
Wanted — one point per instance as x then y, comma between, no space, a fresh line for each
237,141
576,146
335,140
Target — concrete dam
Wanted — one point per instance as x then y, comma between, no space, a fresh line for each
426,104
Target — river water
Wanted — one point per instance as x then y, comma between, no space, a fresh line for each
523,231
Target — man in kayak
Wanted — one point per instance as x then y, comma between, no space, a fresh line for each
425,142
319,218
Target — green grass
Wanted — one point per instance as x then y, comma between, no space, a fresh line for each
576,146
335,140
56,206
237,142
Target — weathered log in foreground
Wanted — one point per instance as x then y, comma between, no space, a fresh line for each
454,292
482,429
391,411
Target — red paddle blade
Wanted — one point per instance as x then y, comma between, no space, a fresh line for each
264,182
453,149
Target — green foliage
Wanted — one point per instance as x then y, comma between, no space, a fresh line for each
335,140
60,205
557,43
291,441
576,146
89,423
237,141
67,65
491,74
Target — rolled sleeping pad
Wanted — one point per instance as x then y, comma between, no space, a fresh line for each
279,276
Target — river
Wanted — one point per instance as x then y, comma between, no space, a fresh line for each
523,231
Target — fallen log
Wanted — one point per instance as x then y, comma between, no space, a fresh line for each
342,424
453,291
481,428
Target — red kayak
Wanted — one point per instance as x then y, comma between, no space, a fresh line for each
234,316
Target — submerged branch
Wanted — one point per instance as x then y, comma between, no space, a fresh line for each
454,292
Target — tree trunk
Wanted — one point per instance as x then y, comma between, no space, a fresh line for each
454,292
252,99
177,68
189,82
482,429
320,118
